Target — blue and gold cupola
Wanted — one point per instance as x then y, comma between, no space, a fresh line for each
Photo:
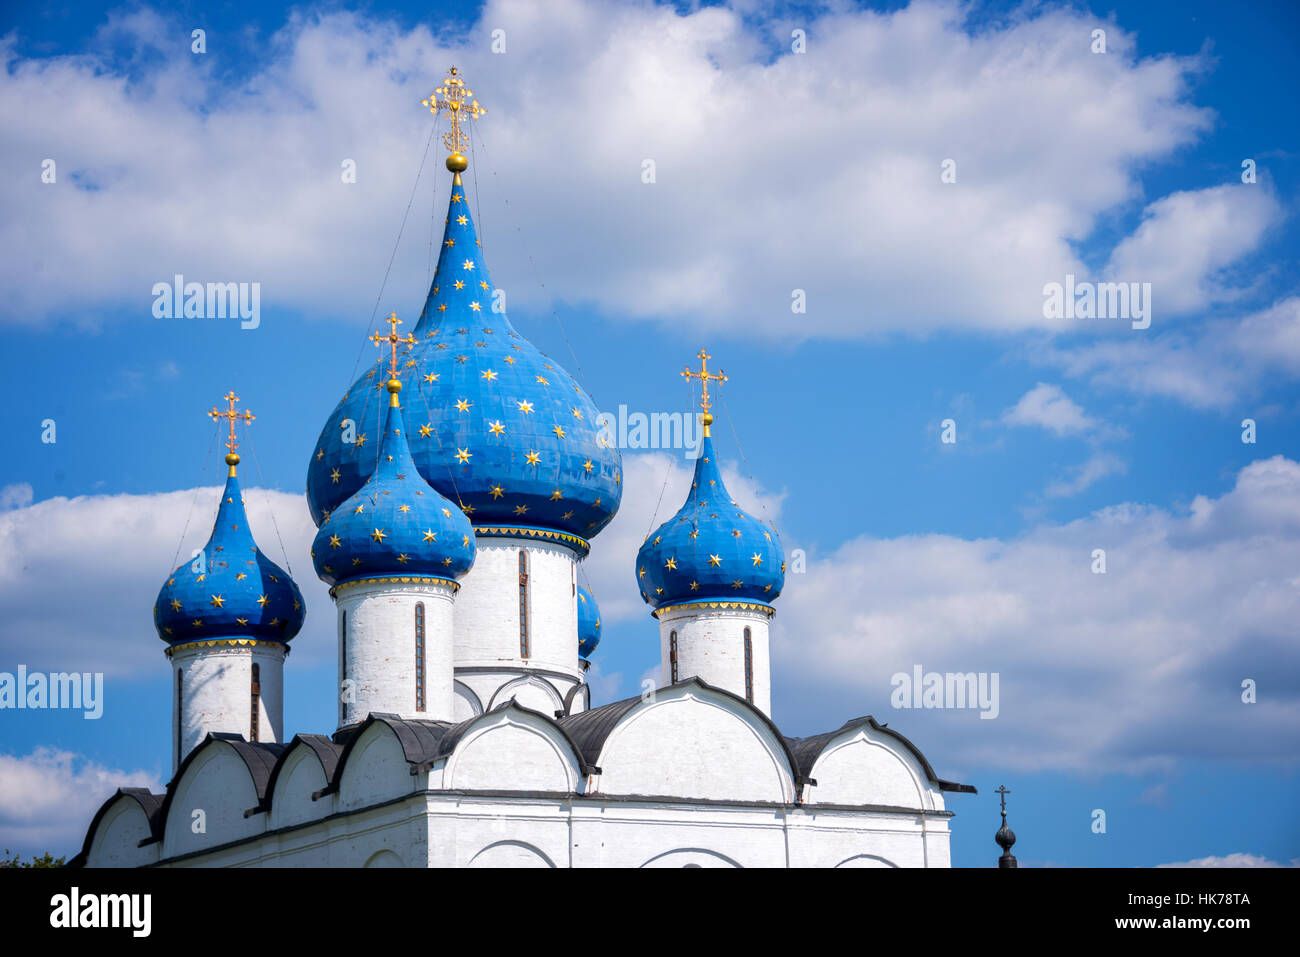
229,592
588,623
711,551
396,526
497,427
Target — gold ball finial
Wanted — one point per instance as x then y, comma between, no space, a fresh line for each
394,386
232,458
457,163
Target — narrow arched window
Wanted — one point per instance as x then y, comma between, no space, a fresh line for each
419,656
180,702
255,696
523,604
749,667
672,657
343,664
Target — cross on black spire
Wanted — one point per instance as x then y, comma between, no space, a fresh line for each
1005,836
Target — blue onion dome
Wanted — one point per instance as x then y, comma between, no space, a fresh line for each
230,590
497,426
588,623
395,525
711,550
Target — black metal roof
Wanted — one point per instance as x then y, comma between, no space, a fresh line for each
589,729
418,738
327,753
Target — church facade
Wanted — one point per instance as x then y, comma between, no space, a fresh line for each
456,488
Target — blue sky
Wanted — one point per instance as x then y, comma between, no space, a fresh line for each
775,171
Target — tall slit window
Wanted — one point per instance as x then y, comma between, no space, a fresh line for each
180,701
343,664
419,656
749,667
255,698
523,604
672,657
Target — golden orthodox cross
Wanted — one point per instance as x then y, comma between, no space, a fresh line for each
393,339
457,100
231,414
705,376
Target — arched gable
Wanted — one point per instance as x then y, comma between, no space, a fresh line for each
217,787
511,748
122,824
577,699
690,740
413,742
375,767
863,763
296,790
531,691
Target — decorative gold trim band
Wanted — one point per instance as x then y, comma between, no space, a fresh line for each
512,531
223,642
738,605
395,579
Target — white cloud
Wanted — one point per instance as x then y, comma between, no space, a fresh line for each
1047,406
1212,366
775,171
1186,239
48,797
1082,477
1130,670
1232,860
18,495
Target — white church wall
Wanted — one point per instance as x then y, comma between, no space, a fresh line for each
938,848
663,834
439,829
686,742
467,830
379,836
835,838
209,804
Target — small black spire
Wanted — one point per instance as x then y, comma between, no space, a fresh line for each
1005,836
